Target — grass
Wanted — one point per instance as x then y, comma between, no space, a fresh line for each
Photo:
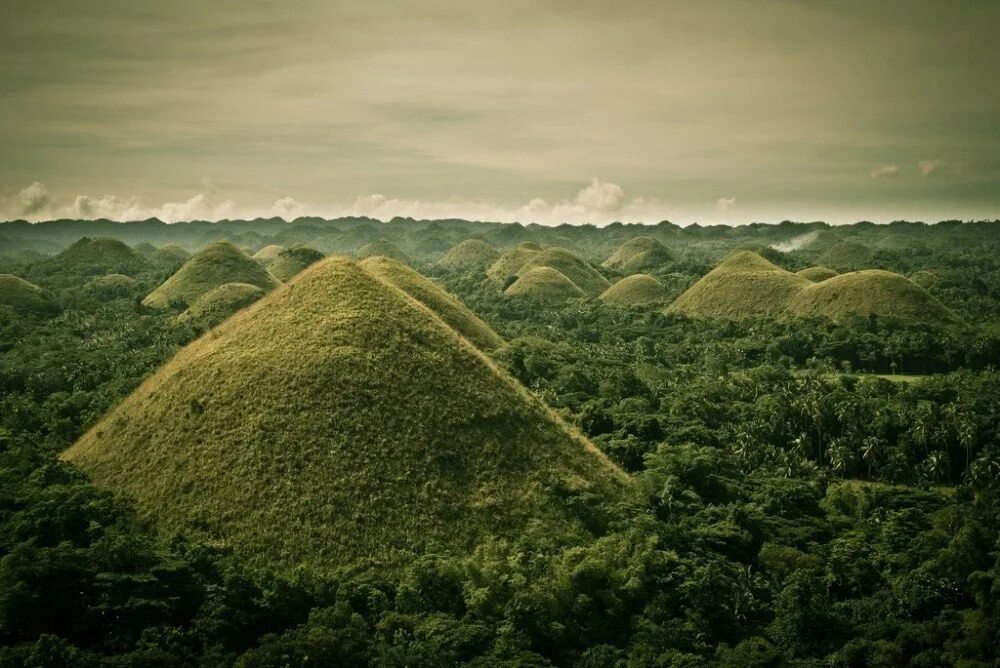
454,313
817,274
96,256
217,304
385,248
845,256
744,285
570,265
292,260
509,263
268,253
469,254
24,297
170,255
634,290
367,431
638,255
545,285
871,292
111,286
214,265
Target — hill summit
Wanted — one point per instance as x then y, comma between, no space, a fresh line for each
637,255
469,254
24,297
100,255
634,290
212,266
292,260
368,431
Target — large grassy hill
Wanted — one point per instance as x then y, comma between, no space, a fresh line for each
846,256
634,290
817,274
169,255
510,262
214,265
24,297
268,253
100,255
292,260
384,248
570,265
338,423
545,285
871,292
217,304
744,285
469,254
637,255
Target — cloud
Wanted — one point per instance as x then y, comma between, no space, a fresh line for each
601,196
111,207
928,167
885,172
725,203
204,205
288,208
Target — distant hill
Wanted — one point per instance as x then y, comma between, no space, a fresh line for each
634,290
214,265
637,255
384,248
469,254
219,303
817,274
292,260
100,255
570,265
544,284
24,297
339,424
169,255
846,256
871,292
510,262
267,253
744,285
111,286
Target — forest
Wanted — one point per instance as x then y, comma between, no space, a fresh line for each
814,481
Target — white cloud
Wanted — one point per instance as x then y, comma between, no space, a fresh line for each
885,172
928,167
111,207
601,196
725,203
288,208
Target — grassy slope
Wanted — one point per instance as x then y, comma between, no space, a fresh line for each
469,254
569,265
544,284
367,430
871,292
214,265
444,305
634,290
268,253
846,255
290,261
816,274
23,296
219,303
637,255
507,265
744,285
98,255
385,248
170,255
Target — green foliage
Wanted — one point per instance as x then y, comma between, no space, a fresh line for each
384,248
24,298
544,285
635,290
469,254
292,260
567,263
217,304
637,255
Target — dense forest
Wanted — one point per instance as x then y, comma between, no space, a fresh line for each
815,488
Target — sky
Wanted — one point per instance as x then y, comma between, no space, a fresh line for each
710,111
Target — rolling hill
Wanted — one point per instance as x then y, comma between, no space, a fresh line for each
846,256
292,260
384,248
637,255
169,255
366,431
546,285
816,274
571,266
506,266
24,297
469,254
89,256
634,290
744,285
267,253
217,304
871,292
212,266
111,286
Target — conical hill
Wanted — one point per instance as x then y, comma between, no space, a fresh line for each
637,255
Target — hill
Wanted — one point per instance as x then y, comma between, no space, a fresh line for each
24,297
212,266
101,255
384,248
871,292
469,254
268,253
217,304
744,285
111,286
454,313
367,432
569,265
845,256
634,290
292,260
506,266
816,274
637,255
544,284
170,255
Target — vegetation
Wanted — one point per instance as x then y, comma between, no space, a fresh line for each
292,260
95,256
23,297
171,256
268,253
209,268
384,248
570,265
469,254
507,266
635,290
816,274
637,255
846,256
219,303
544,285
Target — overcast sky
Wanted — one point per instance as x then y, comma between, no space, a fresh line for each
709,111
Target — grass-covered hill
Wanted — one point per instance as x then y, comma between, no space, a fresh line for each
89,256
744,285
212,266
510,262
111,286
368,431
871,292
469,254
637,255
545,285
24,297
384,248
267,253
845,256
219,303
292,260
454,313
570,265
169,255
634,290
817,274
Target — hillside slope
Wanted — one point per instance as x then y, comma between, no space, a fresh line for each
366,432
637,255
292,260
100,255
469,254
545,285
217,304
571,266
634,290
24,297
